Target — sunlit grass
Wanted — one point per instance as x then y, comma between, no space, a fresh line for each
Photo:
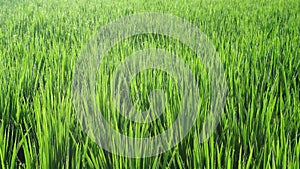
257,41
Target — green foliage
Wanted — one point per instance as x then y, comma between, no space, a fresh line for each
257,41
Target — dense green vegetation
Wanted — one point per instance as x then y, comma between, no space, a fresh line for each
257,42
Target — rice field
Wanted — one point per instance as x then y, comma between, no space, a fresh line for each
257,44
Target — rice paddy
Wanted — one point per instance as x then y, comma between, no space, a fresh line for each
257,43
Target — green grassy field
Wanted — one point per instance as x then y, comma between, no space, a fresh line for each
257,43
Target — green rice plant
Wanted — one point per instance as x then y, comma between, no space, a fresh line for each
257,42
